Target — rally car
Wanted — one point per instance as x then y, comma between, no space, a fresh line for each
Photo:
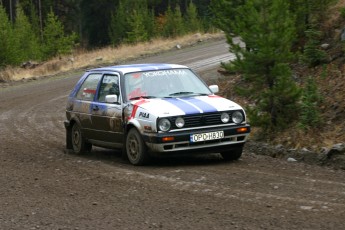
152,109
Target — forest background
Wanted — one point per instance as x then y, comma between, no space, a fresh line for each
38,30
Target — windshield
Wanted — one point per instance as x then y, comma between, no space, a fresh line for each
164,83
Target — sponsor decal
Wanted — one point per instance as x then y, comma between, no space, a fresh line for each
164,73
136,75
144,115
135,108
136,93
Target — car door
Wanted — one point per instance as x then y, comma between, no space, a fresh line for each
83,103
107,117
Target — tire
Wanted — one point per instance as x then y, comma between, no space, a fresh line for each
135,148
232,155
79,145
69,138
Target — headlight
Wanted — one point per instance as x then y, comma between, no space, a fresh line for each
237,117
179,122
164,124
225,117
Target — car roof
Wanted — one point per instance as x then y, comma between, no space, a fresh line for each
140,67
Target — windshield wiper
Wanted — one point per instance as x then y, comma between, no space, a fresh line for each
184,93
141,97
180,93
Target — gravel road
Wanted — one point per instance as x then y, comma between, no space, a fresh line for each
42,187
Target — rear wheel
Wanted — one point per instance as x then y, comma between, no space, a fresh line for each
135,148
79,144
232,155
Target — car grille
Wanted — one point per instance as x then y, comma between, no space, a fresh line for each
199,120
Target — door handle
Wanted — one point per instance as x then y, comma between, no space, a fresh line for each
95,108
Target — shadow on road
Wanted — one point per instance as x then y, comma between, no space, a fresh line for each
115,156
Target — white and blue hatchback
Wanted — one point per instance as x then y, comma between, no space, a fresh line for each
147,109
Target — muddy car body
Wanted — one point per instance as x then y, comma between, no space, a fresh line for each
148,109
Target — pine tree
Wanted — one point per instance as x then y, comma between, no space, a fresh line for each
267,29
5,38
169,26
310,113
137,31
55,41
179,22
312,54
149,21
224,12
35,21
193,23
309,12
26,43
118,25
131,22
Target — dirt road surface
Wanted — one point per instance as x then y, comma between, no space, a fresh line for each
42,187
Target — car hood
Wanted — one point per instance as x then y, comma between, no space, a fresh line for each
163,107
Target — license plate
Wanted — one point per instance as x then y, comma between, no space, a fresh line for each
206,136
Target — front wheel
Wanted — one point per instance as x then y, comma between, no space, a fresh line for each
135,148
232,155
79,144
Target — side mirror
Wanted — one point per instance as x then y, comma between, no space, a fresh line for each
111,98
214,88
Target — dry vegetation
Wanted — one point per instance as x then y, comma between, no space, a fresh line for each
330,79
110,55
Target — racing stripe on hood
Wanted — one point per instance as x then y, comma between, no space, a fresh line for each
184,106
202,105
191,105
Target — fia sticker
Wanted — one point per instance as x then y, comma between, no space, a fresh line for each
144,115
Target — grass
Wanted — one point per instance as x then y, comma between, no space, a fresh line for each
82,59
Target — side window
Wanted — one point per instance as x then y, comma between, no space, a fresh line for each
88,89
109,86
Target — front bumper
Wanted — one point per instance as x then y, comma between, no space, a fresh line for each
181,143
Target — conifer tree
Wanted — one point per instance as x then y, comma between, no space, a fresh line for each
224,12
267,29
35,21
5,38
192,22
313,55
174,25
310,113
169,26
179,22
149,21
26,43
118,25
137,31
55,40
309,12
